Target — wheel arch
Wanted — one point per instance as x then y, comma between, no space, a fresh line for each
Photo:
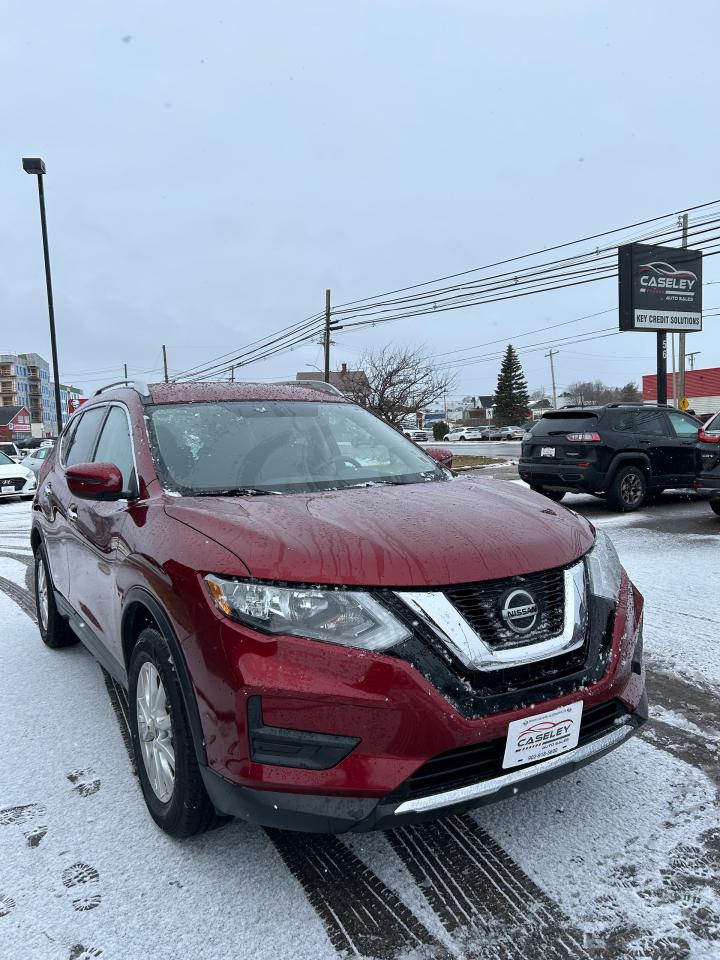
142,610
628,459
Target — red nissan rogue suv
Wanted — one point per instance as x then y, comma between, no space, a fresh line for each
319,627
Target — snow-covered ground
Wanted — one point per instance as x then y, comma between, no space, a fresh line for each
621,860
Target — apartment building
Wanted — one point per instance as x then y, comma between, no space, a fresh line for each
25,381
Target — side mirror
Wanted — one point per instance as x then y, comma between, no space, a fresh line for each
95,481
443,457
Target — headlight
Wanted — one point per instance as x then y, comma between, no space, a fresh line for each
604,568
353,619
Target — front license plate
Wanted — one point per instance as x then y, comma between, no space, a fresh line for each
7,489
543,735
547,451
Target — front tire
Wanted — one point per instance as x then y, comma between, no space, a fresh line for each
54,629
715,506
164,752
628,490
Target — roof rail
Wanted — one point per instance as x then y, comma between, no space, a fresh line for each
312,384
636,403
137,384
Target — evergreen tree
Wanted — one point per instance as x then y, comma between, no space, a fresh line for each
511,394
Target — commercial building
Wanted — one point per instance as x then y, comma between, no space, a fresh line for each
14,424
702,389
25,381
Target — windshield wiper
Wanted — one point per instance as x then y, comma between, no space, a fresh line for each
235,492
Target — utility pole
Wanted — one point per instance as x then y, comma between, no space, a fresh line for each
692,358
681,345
552,374
327,336
232,373
165,362
124,371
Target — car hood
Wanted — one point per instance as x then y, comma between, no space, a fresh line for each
14,470
419,535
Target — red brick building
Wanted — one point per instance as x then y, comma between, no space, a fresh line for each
14,423
702,388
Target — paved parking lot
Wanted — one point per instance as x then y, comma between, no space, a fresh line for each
621,860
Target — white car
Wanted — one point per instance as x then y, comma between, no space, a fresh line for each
419,436
466,433
11,450
35,458
15,480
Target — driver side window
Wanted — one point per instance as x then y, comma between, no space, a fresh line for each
115,446
683,426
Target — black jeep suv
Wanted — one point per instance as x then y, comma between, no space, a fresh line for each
622,452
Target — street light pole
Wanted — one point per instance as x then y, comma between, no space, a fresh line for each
36,167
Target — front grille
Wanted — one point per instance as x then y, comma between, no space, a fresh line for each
483,761
481,603
17,483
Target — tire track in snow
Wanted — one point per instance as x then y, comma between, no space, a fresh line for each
483,898
361,915
22,597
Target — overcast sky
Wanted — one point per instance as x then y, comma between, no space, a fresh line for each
214,166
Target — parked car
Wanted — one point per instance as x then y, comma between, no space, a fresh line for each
35,459
465,433
441,456
15,479
302,643
621,452
11,450
419,436
708,477
505,433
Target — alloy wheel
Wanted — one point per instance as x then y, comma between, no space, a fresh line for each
42,594
155,731
631,489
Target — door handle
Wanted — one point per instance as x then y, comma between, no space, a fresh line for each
645,443
72,514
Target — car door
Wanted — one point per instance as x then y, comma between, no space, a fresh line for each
92,556
54,497
684,447
652,431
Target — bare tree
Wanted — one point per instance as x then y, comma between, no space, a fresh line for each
403,380
595,391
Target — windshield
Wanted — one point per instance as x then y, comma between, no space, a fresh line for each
4,461
253,447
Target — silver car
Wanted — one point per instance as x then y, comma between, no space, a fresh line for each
35,459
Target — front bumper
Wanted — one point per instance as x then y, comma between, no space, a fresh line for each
331,814
27,489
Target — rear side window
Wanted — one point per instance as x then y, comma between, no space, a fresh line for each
82,441
115,445
620,420
651,423
557,424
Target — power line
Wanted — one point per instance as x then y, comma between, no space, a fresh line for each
535,253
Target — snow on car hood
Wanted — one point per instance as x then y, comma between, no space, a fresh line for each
417,535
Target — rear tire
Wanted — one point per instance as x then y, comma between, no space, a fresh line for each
628,490
715,506
554,495
164,749
54,629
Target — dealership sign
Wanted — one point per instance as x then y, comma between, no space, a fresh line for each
660,288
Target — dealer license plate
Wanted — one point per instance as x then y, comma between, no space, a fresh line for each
7,489
543,735
547,451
